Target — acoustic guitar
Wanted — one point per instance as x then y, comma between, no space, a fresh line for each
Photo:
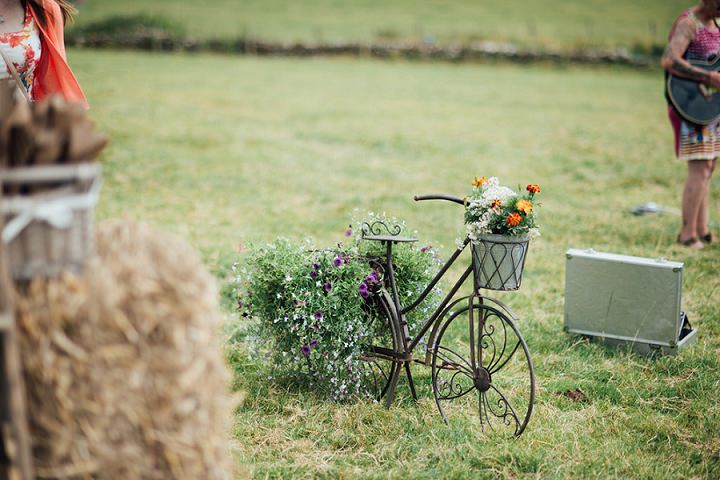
694,101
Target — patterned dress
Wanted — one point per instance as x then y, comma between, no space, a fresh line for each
23,48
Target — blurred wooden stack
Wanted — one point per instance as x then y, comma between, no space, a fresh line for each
45,218
51,132
50,184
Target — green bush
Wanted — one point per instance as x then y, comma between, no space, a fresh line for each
128,25
311,310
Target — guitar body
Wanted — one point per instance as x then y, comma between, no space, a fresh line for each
695,102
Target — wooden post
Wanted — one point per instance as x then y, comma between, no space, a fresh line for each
15,450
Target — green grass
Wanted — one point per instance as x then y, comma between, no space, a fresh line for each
550,23
227,151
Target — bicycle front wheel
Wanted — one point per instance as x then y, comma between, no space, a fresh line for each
481,367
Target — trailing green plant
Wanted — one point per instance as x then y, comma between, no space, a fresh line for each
311,309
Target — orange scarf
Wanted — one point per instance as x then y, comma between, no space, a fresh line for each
53,74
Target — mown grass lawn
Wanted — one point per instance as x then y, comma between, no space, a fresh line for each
549,23
228,151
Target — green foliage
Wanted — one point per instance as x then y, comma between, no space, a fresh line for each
314,310
540,23
130,24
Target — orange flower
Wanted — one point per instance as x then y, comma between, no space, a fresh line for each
514,219
524,206
479,182
496,204
533,188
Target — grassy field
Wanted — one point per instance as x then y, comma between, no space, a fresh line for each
229,151
549,23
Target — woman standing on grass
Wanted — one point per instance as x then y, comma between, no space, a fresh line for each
33,48
695,36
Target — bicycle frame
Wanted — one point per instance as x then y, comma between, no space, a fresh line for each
437,314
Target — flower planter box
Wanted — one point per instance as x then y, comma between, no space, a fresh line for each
499,260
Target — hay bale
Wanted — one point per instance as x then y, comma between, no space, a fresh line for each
124,373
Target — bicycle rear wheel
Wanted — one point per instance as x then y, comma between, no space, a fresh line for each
481,366
380,347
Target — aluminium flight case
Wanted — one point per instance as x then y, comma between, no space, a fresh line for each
625,301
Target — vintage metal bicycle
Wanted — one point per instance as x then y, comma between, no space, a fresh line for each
480,361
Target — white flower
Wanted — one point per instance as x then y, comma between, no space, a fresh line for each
534,232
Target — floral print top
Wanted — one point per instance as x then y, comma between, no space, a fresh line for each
23,48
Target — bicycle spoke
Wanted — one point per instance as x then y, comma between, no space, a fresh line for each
461,364
454,388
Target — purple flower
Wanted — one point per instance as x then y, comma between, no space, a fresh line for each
372,279
346,259
426,249
313,273
337,261
306,350
315,266
240,304
314,342
318,315
364,293
327,287
363,287
348,232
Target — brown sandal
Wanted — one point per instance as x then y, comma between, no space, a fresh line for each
689,242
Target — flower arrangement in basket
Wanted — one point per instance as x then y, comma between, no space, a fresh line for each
500,223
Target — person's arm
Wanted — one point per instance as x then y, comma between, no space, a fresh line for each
673,61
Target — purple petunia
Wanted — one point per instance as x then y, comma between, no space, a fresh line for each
306,350
349,231
314,342
337,261
318,315
313,273
327,287
372,278
363,289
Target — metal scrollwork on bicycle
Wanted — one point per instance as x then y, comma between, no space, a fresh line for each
379,227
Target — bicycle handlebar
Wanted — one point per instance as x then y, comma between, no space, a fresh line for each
449,198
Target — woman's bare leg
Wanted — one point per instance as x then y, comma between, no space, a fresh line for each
695,191
703,219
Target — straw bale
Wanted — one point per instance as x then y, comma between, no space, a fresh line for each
124,373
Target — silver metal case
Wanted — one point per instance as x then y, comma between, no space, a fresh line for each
626,301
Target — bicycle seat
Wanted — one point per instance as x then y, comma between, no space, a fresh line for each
389,238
